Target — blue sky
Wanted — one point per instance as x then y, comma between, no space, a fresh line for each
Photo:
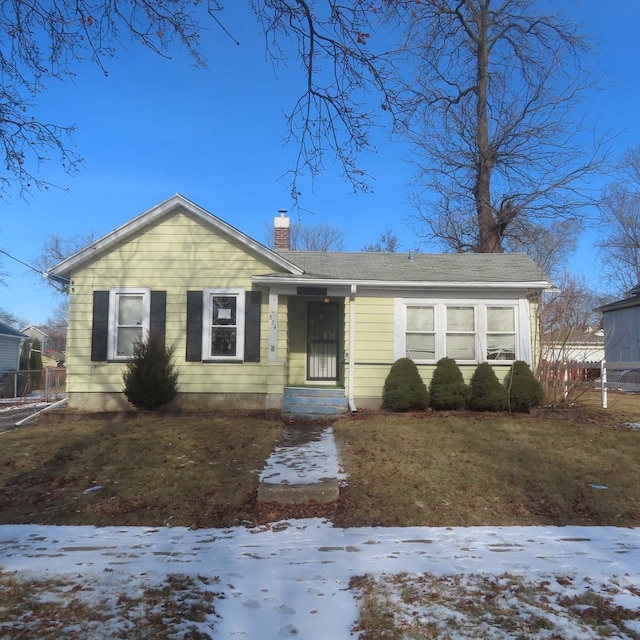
156,127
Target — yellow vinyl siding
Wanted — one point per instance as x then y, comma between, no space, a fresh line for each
374,345
297,341
176,255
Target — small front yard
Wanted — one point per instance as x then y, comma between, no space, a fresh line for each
437,469
577,466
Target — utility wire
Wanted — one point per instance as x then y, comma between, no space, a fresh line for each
23,263
49,276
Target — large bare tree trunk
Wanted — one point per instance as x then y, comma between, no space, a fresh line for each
490,109
488,232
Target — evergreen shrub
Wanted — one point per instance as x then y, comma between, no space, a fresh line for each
523,390
404,389
486,392
150,379
447,389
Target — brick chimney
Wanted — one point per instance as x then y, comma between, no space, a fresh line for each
281,232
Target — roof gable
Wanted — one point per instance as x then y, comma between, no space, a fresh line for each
32,327
174,204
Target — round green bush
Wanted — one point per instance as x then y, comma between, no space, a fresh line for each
447,389
523,390
486,392
404,389
150,380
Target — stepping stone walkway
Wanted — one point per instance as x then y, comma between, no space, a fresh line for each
303,468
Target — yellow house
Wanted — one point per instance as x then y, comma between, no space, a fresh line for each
247,322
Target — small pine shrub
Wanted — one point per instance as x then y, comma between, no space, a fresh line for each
150,380
404,389
447,389
486,392
523,390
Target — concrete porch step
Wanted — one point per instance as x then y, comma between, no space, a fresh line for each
309,403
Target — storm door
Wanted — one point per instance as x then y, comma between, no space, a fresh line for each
322,341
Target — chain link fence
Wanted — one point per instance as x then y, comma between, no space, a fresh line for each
44,385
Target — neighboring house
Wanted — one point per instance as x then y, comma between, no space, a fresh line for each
621,323
37,332
574,345
11,341
246,321
52,341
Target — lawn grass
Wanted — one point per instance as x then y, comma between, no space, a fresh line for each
430,468
464,469
134,469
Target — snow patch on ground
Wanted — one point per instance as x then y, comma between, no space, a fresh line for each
291,579
12,405
304,455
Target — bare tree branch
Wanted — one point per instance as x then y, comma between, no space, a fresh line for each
333,42
304,236
619,243
57,248
43,41
489,98
387,243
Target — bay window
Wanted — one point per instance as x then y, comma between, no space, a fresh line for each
427,331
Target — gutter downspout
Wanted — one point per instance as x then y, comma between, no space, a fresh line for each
352,346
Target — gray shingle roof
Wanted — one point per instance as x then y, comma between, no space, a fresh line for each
632,301
417,267
6,330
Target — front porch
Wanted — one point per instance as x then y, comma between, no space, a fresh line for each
308,373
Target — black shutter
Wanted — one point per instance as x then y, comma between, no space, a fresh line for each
158,320
194,326
100,326
252,326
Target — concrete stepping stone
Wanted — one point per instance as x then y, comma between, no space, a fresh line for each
303,468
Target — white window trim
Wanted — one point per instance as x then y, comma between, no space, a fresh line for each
113,318
443,330
206,324
522,326
515,332
403,325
